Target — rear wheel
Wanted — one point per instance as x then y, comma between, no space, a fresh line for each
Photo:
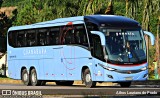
25,77
33,78
88,79
125,84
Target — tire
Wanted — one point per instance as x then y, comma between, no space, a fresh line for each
25,77
88,79
125,84
33,78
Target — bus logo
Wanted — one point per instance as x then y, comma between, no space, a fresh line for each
129,72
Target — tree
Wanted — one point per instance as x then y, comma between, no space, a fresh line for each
109,10
5,22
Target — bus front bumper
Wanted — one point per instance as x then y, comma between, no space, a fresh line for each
113,76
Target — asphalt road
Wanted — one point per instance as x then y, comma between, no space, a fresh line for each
80,90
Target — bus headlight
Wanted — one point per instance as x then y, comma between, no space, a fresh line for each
110,69
106,67
144,68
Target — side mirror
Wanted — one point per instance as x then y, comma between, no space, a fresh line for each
106,57
101,35
151,37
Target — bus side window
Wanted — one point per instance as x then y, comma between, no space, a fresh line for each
41,37
53,36
91,27
31,39
11,38
67,35
80,35
20,39
41,41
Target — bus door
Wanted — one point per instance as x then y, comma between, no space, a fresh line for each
97,53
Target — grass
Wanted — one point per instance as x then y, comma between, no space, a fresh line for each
4,78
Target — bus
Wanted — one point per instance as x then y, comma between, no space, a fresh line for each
91,49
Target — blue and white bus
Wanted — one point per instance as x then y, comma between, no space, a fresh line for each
94,48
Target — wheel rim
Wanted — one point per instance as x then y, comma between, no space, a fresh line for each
25,77
34,77
88,77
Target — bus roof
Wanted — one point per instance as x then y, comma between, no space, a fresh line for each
108,20
113,21
56,22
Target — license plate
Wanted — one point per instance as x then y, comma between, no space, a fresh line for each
128,78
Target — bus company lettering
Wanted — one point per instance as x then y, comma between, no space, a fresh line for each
36,51
27,93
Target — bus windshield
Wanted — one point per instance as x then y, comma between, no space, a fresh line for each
125,46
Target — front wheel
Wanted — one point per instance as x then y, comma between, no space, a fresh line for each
88,79
33,78
125,84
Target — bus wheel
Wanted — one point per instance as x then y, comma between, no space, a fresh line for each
125,84
33,78
25,77
88,79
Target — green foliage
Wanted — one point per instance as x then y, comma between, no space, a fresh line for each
7,3
5,22
119,8
152,52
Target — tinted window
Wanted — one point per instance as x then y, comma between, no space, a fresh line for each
20,39
80,35
31,38
75,34
67,35
91,27
97,50
53,36
12,39
41,37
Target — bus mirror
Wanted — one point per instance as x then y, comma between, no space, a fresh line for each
151,37
106,57
101,35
